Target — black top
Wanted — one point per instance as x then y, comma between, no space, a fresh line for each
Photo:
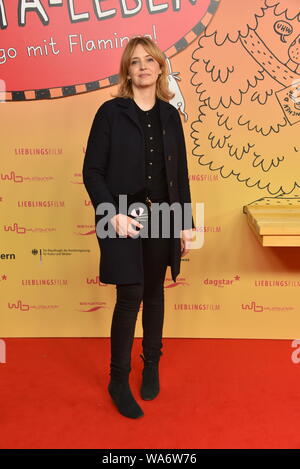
156,180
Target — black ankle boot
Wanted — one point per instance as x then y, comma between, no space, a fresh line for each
124,400
150,382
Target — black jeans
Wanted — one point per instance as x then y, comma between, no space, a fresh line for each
150,290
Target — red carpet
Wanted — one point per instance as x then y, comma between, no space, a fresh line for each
215,393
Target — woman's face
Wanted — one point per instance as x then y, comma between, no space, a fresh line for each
143,69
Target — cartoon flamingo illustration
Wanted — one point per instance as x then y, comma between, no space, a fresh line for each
178,100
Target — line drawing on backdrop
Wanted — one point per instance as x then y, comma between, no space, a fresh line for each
246,76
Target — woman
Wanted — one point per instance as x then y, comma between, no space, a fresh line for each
136,147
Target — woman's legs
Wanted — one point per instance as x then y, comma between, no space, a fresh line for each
126,309
129,297
122,334
156,253
155,258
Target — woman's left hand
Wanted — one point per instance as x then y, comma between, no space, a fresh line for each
186,240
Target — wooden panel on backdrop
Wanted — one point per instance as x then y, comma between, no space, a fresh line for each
275,220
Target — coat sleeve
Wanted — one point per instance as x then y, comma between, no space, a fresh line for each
96,160
183,179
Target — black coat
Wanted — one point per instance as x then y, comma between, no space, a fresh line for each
115,164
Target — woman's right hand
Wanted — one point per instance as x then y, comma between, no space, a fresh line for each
122,225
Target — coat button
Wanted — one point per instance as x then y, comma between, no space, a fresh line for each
171,183
149,177
164,132
169,157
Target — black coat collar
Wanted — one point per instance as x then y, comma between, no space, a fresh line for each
165,110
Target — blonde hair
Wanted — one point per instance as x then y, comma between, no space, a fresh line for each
125,85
